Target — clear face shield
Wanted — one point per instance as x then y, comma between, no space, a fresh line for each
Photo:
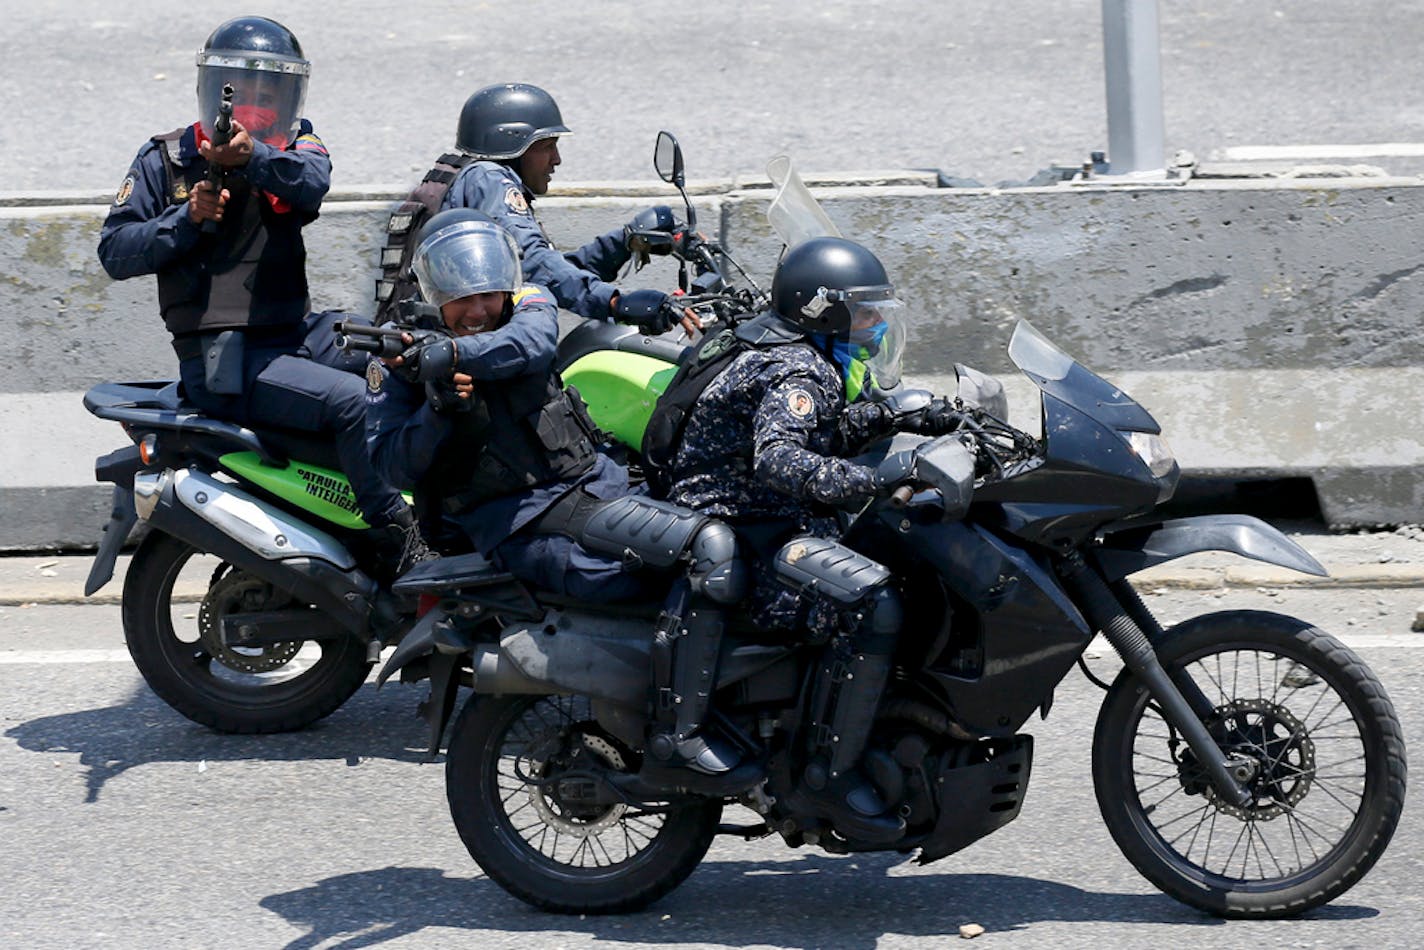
877,333
268,93
466,258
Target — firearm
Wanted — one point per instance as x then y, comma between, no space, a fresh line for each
384,342
222,135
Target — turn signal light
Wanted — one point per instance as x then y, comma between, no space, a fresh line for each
148,449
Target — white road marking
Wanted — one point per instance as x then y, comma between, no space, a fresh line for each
36,657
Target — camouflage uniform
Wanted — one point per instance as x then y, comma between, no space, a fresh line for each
762,452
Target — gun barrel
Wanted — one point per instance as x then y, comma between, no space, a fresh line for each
384,342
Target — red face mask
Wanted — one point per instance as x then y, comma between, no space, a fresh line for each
256,120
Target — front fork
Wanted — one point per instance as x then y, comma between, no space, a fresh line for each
1126,622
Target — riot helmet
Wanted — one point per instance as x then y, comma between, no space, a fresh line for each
262,61
462,251
838,291
501,122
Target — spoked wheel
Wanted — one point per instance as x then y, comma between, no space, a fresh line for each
1316,733
176,641
519,781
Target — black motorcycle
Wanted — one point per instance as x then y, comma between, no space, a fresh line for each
1246,763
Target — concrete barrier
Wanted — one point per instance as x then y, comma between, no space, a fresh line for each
1270,325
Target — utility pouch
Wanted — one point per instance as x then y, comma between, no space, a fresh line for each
222,362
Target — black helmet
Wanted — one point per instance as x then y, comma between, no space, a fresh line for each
819,280
501,122
262,60
462,251
838,290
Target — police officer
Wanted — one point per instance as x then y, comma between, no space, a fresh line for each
230,260
476,417
764,449
512,131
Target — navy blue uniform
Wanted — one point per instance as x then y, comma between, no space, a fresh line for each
148,231
407,439
579,280
761,452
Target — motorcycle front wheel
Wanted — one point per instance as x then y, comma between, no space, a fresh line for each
1322,740
525,813
174,599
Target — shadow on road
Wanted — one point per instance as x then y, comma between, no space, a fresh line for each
823,901
113,739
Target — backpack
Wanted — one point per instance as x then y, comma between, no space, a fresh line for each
396,282
663,435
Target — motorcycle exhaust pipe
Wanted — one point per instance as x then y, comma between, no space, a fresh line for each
227,522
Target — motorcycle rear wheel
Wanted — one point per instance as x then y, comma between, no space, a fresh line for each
278,688
1328,751
502,773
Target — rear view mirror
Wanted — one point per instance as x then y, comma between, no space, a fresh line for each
667,159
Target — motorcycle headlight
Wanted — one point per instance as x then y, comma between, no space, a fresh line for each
1154,452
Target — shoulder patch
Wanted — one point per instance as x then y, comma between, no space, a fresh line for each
514,200
800,403
125,191
374,377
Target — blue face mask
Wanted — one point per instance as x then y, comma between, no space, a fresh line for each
870,338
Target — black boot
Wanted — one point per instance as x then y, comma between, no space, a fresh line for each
833,786
682,751
399,543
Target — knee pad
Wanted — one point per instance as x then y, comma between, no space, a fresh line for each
879,628
717,572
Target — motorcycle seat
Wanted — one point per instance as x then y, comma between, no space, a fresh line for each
158,404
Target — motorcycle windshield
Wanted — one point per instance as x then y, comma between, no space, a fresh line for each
1062,377
793,214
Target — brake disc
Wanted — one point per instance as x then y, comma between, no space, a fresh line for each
238,592
567,821
1284,755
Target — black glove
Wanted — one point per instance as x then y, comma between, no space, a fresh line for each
650,231
942,415
444,398
430,358
914,410
651,311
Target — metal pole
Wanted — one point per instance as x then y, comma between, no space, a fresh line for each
1133,68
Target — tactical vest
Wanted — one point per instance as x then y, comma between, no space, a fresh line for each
396,282
250,273
518,433
663,435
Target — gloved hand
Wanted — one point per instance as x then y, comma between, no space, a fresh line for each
636,233
651,311
940,416
444,398
895,470
430,358
915,410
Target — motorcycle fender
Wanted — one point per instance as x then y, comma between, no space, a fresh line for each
1126,552
418,641
122,518
493,671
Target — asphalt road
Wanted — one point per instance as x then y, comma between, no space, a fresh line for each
127,826
988,91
